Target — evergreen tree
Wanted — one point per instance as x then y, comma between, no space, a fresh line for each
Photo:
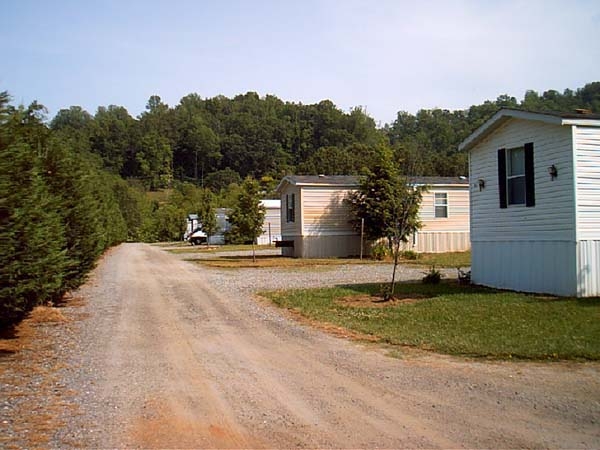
32,256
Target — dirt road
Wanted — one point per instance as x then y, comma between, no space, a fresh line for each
174,363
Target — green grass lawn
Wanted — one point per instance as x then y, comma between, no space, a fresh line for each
459,320
439,260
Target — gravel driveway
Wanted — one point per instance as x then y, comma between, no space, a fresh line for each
165,353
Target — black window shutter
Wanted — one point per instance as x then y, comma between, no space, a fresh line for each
502,177
529,176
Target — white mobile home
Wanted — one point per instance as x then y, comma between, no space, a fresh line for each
315,222
271,230
535,202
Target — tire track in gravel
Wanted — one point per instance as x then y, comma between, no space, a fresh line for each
189,366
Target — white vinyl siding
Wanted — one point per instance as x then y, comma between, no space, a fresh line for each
271,230
588,268
587,154
553,216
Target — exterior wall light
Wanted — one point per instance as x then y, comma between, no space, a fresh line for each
553,171
481,184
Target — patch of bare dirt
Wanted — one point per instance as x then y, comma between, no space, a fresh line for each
163,426
32,396
377,301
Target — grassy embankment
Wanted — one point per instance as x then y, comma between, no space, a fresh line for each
458,320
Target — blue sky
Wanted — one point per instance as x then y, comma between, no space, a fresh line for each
386,56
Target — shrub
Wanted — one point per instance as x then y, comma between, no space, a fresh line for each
380,251
434,276
410,254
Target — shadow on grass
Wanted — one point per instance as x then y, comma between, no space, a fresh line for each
451,287
447,287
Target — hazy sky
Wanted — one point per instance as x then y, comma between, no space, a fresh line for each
384,55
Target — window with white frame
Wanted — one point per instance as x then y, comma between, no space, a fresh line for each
440,203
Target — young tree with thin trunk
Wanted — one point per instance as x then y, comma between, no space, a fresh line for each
388,202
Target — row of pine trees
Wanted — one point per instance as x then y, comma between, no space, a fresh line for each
59,211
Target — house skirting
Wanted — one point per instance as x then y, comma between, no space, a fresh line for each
528,266
588,269
440,242
337,246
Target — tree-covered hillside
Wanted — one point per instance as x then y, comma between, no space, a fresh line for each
217,141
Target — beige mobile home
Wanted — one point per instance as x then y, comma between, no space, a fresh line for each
315,222
444,214
535,202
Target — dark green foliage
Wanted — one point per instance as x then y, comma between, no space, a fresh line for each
387,204
206,212
169,223
434,135
58,209
410,255
433,276
248,214
380,251
213,142
32,253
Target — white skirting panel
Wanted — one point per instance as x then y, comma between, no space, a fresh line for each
528,266
440,242
588,269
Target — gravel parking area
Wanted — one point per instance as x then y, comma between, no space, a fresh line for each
249,280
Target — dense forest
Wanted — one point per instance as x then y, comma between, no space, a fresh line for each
75,185
213,142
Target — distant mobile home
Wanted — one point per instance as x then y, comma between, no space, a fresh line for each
271,230
315,222
444,214
535,202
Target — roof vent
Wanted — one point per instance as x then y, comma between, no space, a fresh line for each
583,111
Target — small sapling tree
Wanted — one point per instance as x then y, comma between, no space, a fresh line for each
388,203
